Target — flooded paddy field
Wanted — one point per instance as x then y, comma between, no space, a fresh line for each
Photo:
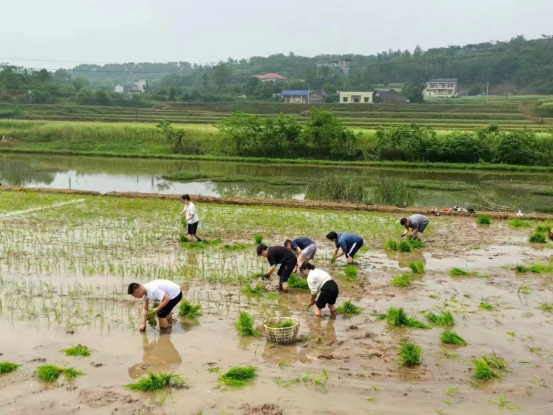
66,260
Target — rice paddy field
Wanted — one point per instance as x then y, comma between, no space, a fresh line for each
461,324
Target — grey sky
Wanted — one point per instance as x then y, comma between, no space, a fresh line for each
208,31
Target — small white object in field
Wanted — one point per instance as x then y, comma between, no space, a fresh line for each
520,213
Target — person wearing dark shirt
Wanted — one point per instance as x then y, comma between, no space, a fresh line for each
417,223
349,243
278,255
305,248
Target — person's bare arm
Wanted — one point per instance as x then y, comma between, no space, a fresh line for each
183,212
340,254
270,271
313,298
405,232
164,302
144,315
335,252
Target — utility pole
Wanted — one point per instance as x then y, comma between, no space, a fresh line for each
308,93
488,92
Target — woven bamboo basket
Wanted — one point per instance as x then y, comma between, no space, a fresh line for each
284,335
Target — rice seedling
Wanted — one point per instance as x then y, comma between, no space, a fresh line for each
403,280
485,305
444,319
245,325
482,370
281,325
7,367
238,377
351,273
154,382
235,246
332,261
391,245
452,391
372,400
409,353
519,223
543,228
404,246
376,388
51,373
504,403
538,238
512,334
283,364
415,243
434,296
188,310
249,290
78,350
214,369
258,239
458,272
297,282
484,220
450,337
546,307
348,307
496,362
524,289
397,317
417,267
535,268
183,239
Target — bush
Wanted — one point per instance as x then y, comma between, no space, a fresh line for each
517,147
475,90
392,191
484,220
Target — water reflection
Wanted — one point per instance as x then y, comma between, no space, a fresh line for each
159,355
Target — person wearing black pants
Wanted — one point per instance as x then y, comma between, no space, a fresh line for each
279,255
192,217
324,290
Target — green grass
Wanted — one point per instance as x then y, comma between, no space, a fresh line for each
7,367
391,245
184,176
484,220
78,350
397,317
417,267
450,337
198,245
482,370
348,307
444,319
403,280
154,382
520,223
51,373
297,282
245,325
535,268
409,353
188,310
351,273
235,246
538,238
238,377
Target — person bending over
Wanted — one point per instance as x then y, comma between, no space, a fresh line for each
278,255
416,222
166,292
192,217
348,243
324,290
304,247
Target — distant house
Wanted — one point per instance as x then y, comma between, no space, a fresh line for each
356,96
391,96
342,64
270,77
130,87
302,96
442,87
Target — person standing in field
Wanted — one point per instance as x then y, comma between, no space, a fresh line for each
278,255
324,290
305,248
416,222
166,292
192,217
348,243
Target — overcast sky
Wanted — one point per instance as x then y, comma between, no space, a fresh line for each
211,30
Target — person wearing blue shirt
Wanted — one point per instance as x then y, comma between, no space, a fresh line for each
305,248
348,243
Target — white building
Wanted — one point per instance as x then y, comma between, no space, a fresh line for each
442,87
130,87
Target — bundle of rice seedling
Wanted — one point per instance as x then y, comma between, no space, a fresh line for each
391,245
297,282
414,242
538,238
281,325
450,337
258,239
495,361
417,267
403,280
238,377
7,367
332,261
543,228
445,318
78,350
348,307
51,373
152,317
351,273
482,371
245,325
519,223
484,220
249,290
397,317
409,353
189,310
404,246
154,382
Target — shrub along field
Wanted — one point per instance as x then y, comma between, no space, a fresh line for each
452,322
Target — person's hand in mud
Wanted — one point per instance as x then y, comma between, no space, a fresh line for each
143,328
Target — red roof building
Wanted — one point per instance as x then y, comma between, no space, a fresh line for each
270,77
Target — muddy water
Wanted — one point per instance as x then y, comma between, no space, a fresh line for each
143,175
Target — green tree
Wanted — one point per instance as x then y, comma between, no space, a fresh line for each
475,90
221,74
413,90
517,147
241,131
172,135
172,94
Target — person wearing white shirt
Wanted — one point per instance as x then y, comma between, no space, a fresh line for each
166,292
192,217
324,290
